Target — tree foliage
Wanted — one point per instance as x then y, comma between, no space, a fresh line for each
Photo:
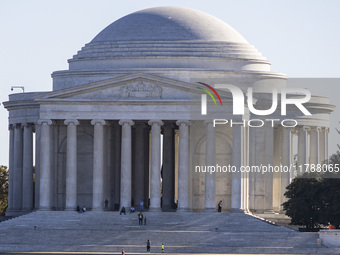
304,205
3,189
314,198
331,193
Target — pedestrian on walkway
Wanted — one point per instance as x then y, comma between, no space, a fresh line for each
123,252
148,246
162,247
144,220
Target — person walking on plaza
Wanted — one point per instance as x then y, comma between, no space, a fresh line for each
140,218
162,247
148,246
144,220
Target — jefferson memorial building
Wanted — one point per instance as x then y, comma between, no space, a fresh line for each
124,123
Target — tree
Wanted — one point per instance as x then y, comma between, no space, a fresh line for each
331,192
304,205
314,198
3,189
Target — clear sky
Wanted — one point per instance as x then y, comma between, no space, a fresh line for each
300,38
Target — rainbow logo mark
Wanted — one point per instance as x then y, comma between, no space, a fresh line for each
204,97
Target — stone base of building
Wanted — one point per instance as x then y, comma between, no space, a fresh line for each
15,213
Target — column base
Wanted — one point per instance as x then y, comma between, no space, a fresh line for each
44,208
269,211
70,209
179,210
210,210
154,209
14,213
27,210
98,209
236,210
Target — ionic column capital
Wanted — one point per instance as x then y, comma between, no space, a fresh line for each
44,121
73,121
318,129
98,121
305,128
183,122
208,122
128,122
155,122
26,124
287,128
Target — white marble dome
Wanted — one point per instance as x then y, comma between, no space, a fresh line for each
169,24
169,37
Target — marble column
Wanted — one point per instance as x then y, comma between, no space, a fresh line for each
146,165
252,162
285,161
322,145
183,165
168,180
294,132
277,175
302,149
98,165
155,178
236,186
37,164
116,162
10,170
71,165
326,144
269,160
210,160
139,164
314,146
27,185
18,168
126,168
45,202
245,176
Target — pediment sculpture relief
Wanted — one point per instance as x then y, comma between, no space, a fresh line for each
141,90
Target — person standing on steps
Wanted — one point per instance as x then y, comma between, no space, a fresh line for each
148,246
162,247
141,205
220,206
140,218
123,252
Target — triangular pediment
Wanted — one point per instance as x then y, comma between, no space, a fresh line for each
138,86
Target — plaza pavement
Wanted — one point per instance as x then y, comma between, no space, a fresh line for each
62,232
